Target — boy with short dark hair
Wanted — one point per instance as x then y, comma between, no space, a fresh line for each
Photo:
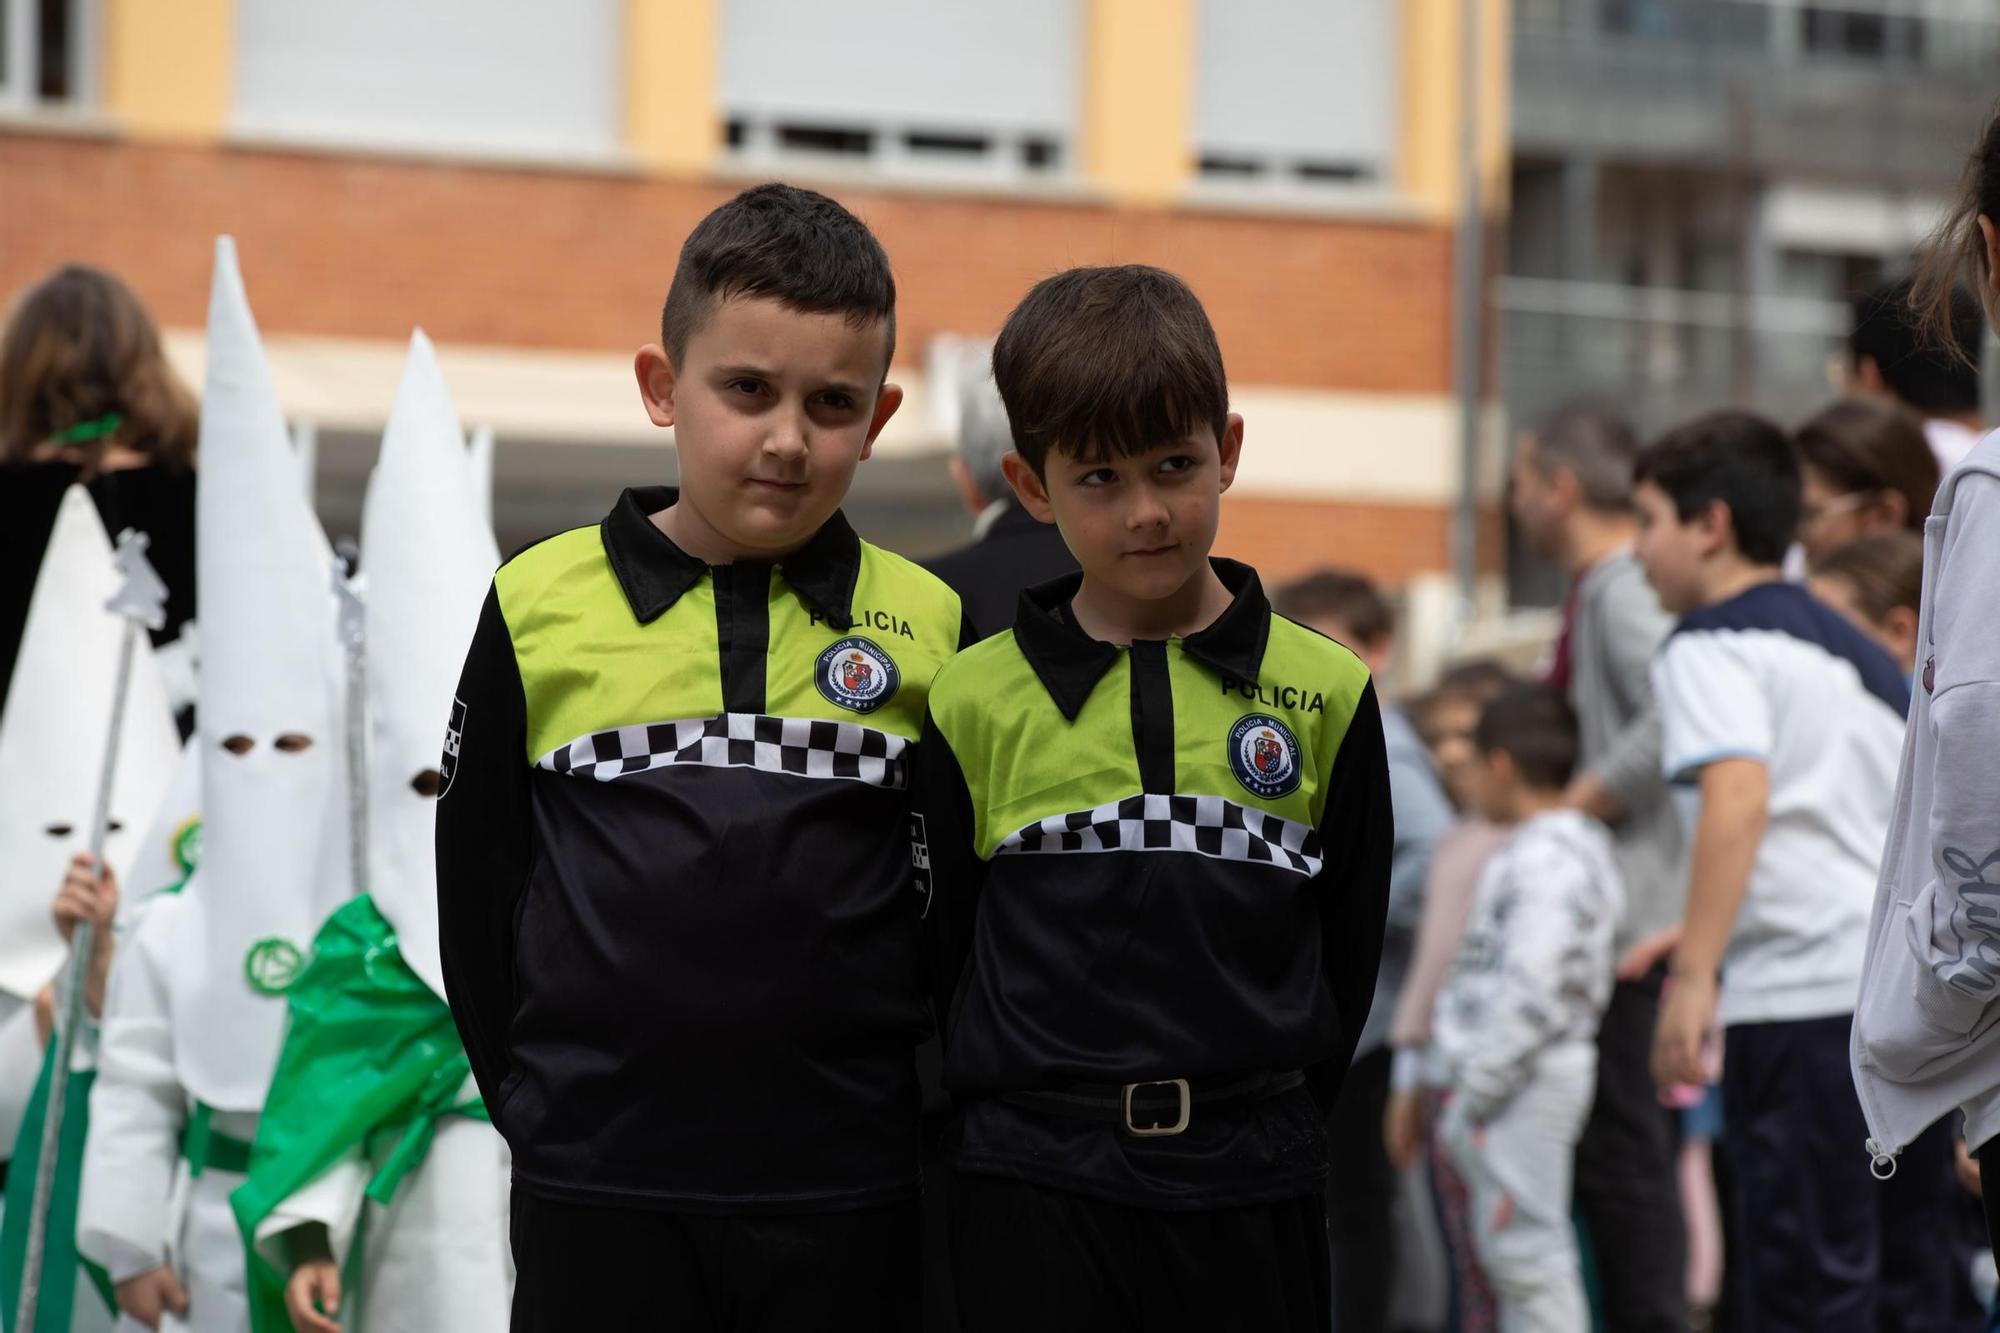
1516,1024
676,924
1153,819
1789,721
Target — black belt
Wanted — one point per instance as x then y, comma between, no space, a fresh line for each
1155,1108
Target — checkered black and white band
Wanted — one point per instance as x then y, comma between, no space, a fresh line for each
1209,825
803,747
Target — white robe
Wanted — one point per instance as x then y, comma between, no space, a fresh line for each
20,1066
140,1206
436,1259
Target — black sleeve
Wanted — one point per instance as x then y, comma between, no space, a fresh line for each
1357,835
485,844
948,869
967,635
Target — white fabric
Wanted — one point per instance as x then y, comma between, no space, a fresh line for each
1517,1177
275,843
20,1066
140,1207
1533,973
1951,442
437,1258
154,867
429,555
1829,747
52,741
1927,1031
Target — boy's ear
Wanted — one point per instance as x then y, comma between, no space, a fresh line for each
1865,376
1029,489
1229,447
886,403
1716,527
657,382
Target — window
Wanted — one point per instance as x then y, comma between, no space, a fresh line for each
502,76
1298,93
931,86
44,52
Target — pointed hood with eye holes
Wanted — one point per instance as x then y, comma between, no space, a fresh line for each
429,553
52,737
273,794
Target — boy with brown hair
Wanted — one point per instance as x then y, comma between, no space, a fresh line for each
1153,820
676,922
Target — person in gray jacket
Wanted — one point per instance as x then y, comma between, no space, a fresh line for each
1926,1037
1571,497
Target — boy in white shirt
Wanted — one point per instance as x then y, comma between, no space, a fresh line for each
1517,1023
1789,720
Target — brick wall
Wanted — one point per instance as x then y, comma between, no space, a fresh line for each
368,247
1286,538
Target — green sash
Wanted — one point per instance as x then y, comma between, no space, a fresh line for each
371,1054
59,1257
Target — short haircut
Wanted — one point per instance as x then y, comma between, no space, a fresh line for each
1109,362
796,247
1338,594
1535,727
1885,571
1594,445
1931,379
984,439
1864,447
1736,457
1475,681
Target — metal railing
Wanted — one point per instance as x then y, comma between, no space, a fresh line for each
1898,85
1664,355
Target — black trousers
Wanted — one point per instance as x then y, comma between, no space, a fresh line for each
583,1267
1989,1190
1360,1194
1028,1259
1626,1183
1825,1248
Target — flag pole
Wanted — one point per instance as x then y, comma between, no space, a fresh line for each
140,603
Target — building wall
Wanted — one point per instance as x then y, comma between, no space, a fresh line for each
1334,308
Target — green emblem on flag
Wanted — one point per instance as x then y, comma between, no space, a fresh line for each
272,965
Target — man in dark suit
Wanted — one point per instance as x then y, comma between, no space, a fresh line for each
1010,549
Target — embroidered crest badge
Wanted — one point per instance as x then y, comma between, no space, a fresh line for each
1264,755
856,674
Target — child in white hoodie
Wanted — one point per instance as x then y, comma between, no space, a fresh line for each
1926,1039
1517,1022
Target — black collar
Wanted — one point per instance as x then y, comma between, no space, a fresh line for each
655,573
1070,662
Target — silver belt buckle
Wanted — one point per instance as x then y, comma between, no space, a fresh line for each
1158,1131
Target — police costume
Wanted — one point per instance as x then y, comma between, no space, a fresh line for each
1157,880
678,934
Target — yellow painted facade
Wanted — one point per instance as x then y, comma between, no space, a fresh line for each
168,75
1138,98
1433,62
169,69
672,50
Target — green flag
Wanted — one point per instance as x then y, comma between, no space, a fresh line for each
60,1260
370,1057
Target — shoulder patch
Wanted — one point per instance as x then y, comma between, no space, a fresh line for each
454,737
1265,756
